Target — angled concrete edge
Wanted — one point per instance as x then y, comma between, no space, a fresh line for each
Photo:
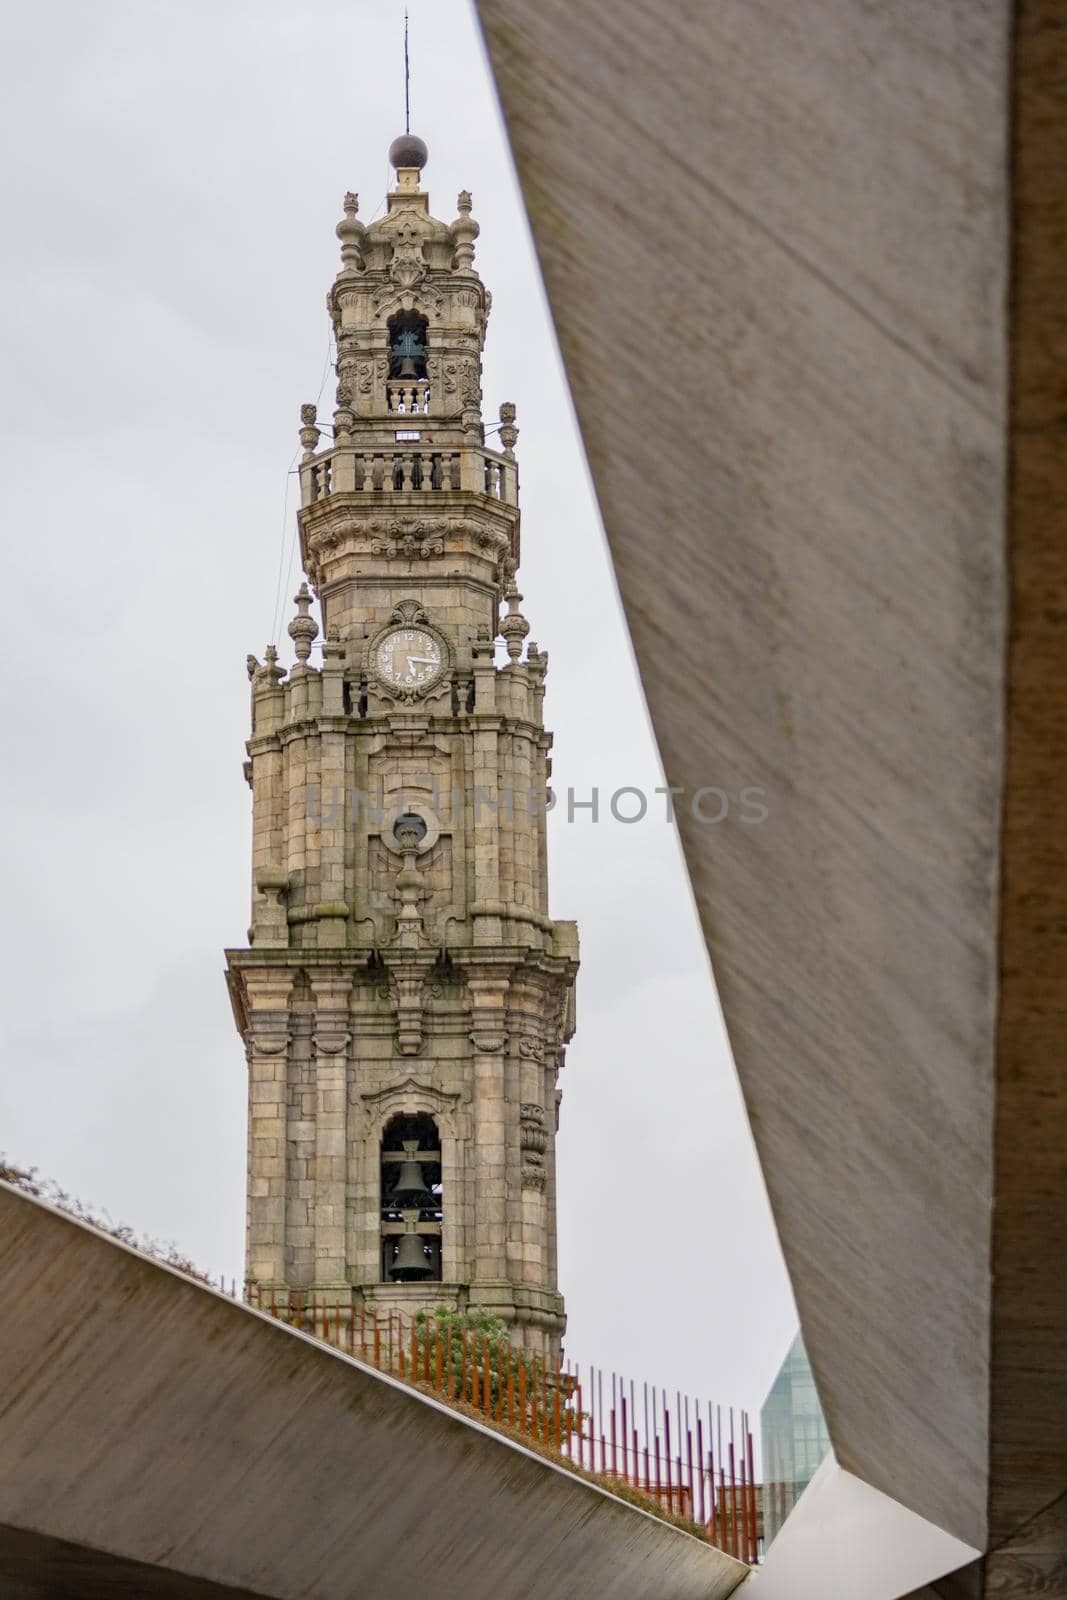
151,1420
775,244
847,1541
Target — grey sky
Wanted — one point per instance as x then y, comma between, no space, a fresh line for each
173,175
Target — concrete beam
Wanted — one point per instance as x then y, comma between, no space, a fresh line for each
774,239
157,1438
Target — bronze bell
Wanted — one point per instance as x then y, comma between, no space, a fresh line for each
410,1187
411,1260
407,368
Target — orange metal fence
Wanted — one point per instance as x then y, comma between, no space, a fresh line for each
693,1459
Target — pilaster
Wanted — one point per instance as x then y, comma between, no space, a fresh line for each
267,1041
488,1013
330,1040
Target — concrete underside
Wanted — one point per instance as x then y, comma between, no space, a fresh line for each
776,240
157,1438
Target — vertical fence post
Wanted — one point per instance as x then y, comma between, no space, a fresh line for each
755,1499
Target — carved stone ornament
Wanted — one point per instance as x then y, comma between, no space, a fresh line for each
487,1042
410,1001
410,537
270,1046
533,1137
407,268
410,1095
533,1178
462,379
328,1043
394,298
532,1048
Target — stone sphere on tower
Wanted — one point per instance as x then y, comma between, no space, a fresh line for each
409,151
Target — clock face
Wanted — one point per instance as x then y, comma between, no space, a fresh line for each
408,658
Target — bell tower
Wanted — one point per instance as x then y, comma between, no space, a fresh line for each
405,997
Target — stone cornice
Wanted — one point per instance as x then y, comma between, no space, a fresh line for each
389,724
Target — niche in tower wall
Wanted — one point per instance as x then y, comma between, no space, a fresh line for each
407,345
412,1200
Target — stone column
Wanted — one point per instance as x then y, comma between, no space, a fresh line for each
553,1096
533,1139
453,1234
269,876
364,1138
267,1039
333,910
487,908
295,745
488,996
332,1035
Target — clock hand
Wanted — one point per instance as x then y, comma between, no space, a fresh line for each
423,661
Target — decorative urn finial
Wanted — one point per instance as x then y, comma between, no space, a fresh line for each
303,630
514,626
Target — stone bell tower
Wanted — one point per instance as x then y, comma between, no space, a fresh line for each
405,997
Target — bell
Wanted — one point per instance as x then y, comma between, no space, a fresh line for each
410,1187
407,368
411,1261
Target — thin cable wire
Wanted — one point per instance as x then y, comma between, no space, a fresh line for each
272,636
279,600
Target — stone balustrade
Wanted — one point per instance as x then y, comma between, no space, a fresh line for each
408,396
345,470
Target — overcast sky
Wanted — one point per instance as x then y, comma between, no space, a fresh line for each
173,176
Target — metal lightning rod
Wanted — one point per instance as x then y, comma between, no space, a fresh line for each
407,78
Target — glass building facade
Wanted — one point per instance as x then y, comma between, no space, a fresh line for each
794,1438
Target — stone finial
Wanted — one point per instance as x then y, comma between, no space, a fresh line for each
464,231
409,153
509,433
344,418
270,672
352,234
303,629
408,883
309,433
514,626
252,663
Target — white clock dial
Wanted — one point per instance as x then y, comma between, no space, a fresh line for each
408,658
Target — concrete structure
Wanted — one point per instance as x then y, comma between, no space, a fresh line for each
834,596
406,998
160,1439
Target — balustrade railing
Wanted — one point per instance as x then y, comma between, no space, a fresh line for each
408,397
407,471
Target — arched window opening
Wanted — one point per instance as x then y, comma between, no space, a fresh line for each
407,345
412,1200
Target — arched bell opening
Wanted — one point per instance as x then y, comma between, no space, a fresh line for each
412,1200
407,345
